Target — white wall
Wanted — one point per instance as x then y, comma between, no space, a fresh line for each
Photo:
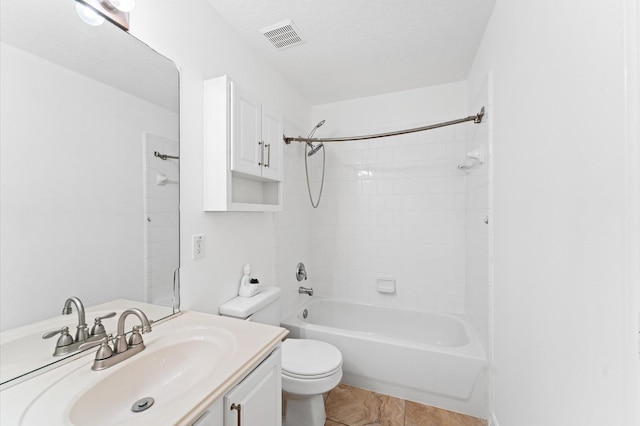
55,203
393,206
204,46
561,192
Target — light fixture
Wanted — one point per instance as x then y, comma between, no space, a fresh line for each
94,12
89,15
121,5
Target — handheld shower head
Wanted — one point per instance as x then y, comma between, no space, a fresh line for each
314,149
314,130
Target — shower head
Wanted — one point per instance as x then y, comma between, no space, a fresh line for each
314,149
319,124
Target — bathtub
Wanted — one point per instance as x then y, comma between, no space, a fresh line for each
430,358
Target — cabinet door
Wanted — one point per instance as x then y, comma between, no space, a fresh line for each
246,129
272,131
257,400
212,417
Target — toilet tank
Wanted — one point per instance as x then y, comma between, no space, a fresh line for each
264,307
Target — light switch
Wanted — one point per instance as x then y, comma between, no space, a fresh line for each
198,246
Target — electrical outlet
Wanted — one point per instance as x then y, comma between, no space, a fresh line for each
197,251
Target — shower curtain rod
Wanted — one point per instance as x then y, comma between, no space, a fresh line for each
475,118
164,156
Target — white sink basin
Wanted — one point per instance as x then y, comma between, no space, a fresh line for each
176,367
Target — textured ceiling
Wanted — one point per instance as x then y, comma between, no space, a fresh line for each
357,48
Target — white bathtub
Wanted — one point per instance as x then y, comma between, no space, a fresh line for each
430,358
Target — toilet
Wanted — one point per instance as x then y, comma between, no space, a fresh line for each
309,367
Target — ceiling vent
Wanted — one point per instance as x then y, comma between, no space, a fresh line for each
282,35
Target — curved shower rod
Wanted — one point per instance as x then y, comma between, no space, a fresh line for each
475,118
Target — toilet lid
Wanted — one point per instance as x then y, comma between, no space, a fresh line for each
309,358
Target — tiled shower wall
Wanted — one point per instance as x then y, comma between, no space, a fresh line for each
293,226
393,207
161,204
479,221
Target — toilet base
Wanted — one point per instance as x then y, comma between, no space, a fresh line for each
304,410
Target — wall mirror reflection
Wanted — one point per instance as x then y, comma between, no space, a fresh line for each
87,210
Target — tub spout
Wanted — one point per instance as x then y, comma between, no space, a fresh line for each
305,290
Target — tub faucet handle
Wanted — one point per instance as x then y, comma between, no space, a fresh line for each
301,272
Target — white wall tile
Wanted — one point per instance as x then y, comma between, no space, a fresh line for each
406,217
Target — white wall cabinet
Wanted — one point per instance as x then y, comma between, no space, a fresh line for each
255,400
243,149
256,136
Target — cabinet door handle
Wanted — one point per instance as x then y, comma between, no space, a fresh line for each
268,163
261,163
238,407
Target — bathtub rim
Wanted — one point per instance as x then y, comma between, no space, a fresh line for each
473,349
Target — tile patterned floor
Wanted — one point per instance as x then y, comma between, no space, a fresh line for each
351,406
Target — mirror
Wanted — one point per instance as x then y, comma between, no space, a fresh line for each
86,209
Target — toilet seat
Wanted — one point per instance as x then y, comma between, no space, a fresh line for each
309,359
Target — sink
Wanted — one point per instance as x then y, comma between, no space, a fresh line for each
190,361
175,367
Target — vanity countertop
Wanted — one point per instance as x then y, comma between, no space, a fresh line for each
243,345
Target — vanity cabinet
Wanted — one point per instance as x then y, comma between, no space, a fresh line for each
243,150
255,400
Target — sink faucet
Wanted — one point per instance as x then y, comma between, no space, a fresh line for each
66,344
82,332
107,357
121,342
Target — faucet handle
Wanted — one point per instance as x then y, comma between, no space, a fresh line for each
65,338
301,272
104,351
98,328
50,334
136,337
